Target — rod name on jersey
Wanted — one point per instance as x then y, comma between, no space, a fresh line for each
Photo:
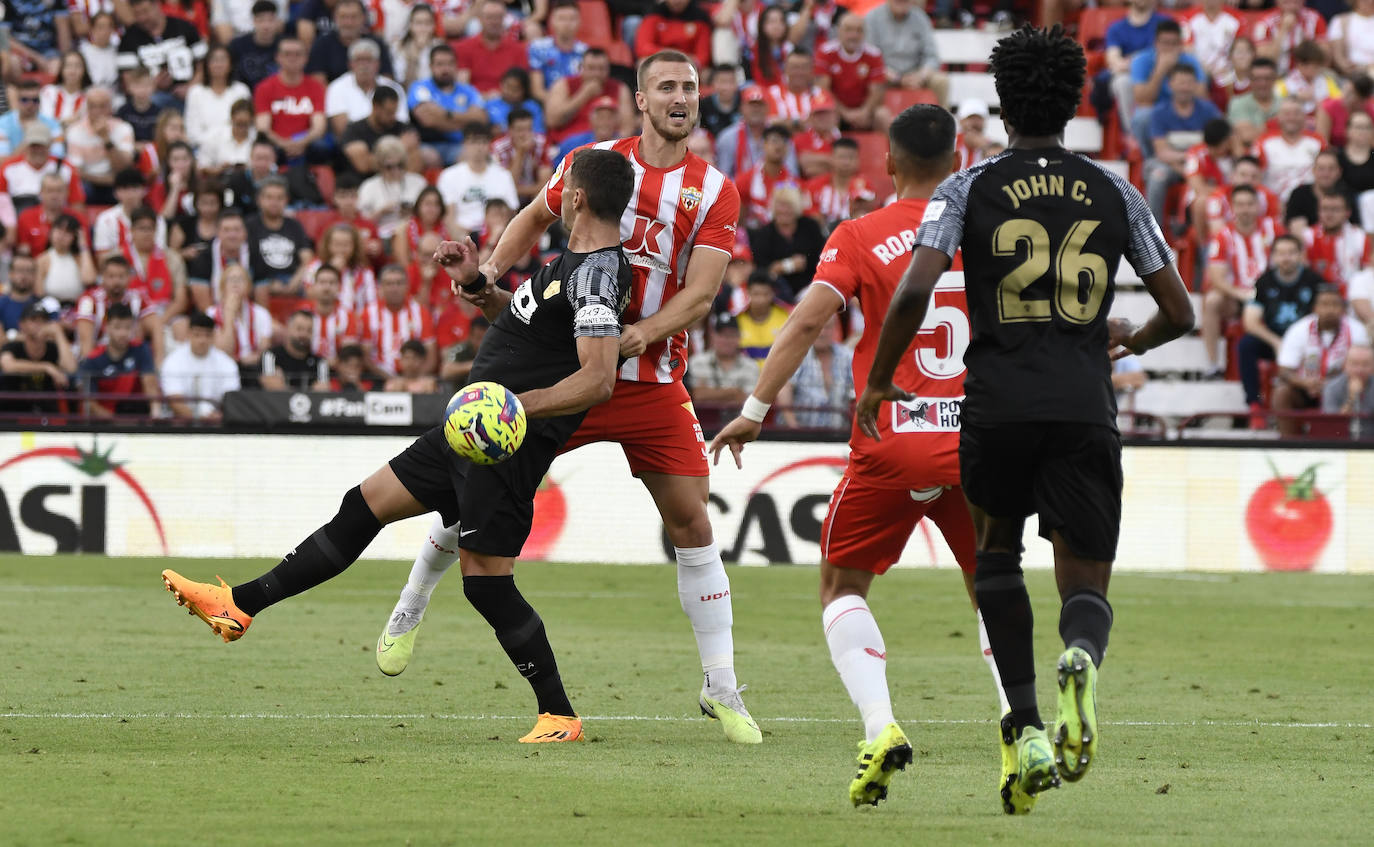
894,247
927,414
1045,185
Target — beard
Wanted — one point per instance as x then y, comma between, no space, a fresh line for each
668,133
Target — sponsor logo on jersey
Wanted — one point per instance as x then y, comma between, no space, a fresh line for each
830,255
927,414
289,105
934,210
691,198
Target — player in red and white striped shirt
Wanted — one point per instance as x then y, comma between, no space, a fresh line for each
243,329
1290,24
1246,171
1337,249
335,326
791,101
758,184
1236,256
395,318
113,288
678,232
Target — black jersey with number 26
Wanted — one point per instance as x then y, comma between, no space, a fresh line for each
533,343
1042,234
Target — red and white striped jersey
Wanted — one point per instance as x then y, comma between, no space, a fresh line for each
20,179
93,305
1201,162
60,104
672,212
1246,255
830,203
504,153
90,8
759,186
787,105
1339,255
252,326
1219,211
357,286
111,232
1311,26
333,331
151,277
384,331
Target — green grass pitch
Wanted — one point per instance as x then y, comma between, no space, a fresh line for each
1235,711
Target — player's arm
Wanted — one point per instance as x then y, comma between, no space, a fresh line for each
903,319
515,243
797,335
596,325
705,270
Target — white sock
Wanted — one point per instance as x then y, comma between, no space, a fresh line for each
986,646
857,649
439,552
704,590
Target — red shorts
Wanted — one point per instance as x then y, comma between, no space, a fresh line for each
654,423
867,528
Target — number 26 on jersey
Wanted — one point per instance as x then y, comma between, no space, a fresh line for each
1080,279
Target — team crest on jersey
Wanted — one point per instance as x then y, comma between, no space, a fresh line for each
691,198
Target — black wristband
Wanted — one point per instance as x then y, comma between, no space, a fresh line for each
477,284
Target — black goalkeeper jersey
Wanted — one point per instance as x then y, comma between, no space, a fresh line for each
1042,233
533,343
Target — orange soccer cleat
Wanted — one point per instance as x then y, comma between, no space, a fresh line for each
213,604
551,728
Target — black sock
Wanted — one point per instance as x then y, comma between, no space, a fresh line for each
1005,604
325,554
521,633
1086,621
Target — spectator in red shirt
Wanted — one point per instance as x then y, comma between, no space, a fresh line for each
1290,24
290,105
676,25
790,101
971,145
1207,168
429,283
814,144
833,194
36,222
756,185
570,99
852,70
412,376
394,319
1334,113
485,57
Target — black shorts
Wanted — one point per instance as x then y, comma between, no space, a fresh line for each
1067,473
493,504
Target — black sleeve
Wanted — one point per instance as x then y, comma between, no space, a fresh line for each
764,246
298,235
595,297
353,132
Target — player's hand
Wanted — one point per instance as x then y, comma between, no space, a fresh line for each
1119,334
735,435
632,342
459,258
866,410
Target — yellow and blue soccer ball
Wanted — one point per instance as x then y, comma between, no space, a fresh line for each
484,423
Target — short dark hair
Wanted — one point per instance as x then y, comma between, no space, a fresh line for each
1168,25
302,313
385,94
564,4
1264,62
1249,160
596,51
1363,85
762,277
231,212
359,3
779,130
264,7
674,56
607,178
28,83
328,268
142,213
1216,131
1039,76
923,136
200,320
112,259
273,181
1309,51
349,181
1184,69
130,178
441,48
799,51
351,351
476,129
118,312
1244,189
1329,288
846,143
415,346
1334,195
519,113
1289,238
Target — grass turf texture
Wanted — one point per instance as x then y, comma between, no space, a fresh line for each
170,750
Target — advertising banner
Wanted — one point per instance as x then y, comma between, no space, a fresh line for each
203,495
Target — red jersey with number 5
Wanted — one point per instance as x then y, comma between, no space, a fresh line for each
672,212
865,258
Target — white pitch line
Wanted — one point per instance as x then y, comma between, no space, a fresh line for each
622,718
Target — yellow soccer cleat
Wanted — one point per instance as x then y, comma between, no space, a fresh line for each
397,642
1027,767
879,761
213,604
1075,731
554,728
729,709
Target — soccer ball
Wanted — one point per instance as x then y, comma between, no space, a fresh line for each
484,423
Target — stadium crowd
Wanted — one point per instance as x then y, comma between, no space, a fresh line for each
199,197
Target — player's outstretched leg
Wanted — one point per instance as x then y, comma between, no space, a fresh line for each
521,634
326,553
397,641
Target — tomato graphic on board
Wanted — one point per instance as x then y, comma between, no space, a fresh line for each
1289,521
550,513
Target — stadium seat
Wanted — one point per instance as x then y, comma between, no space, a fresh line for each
314,221
324,181
898,100
963,85
1176,399
620,54
1185,355
1083,135
1092,26
965,46
596,28
873,162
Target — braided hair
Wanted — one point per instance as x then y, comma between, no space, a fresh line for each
1039,77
